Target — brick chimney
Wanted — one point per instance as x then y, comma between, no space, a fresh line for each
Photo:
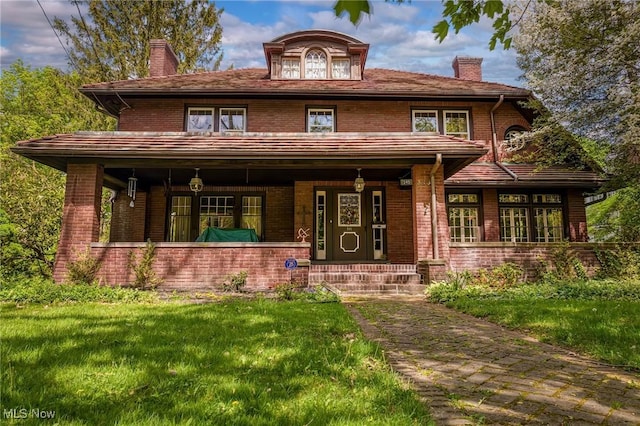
162,60
467,68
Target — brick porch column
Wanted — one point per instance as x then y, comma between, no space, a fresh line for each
81,214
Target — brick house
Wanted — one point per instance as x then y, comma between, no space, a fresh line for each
374,178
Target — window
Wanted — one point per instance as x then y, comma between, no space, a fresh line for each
315,65
463,217
320,120
234,210
514,139
231,119
456,123
341,69
545,211
200,119
180,222
291,68
425,121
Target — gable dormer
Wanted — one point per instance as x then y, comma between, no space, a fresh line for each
316,55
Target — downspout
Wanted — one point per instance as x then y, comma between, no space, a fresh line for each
494,140
434,214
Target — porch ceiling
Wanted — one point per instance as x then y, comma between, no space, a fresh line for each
276,157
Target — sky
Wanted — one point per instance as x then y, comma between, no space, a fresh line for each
399,35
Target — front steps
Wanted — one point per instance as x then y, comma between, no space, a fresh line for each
367,278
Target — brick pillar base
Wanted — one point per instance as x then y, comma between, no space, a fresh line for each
432,270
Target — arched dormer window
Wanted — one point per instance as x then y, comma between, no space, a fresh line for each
315,65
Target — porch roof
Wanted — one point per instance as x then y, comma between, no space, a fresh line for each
260,150
527,175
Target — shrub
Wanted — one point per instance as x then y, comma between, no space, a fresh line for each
145,276
44,291
287,290
566,266
505,275
83,269
619,262
235,282
321,294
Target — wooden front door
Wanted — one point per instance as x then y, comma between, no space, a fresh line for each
349,225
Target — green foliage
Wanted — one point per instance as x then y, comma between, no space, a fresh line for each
320,294
235,282
287,290
112,41
84,268
236,362
621,262
354,8
617,218
142,267
45,292
35,103
564,265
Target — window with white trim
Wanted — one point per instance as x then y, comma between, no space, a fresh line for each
341,69
424,121
531,217
320,120
291,68
315,65
215,119
456,123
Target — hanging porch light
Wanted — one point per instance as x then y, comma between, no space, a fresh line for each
359,184
132,187
196,184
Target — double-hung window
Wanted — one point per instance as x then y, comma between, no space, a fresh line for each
214,119
456,123
425,121
464,221
320,120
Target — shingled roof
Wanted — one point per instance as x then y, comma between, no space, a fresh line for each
376,82
528,175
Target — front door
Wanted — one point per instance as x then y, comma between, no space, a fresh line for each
353,222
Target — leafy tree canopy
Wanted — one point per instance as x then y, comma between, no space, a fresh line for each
112,41
35,103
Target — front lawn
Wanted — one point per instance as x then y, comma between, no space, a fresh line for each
231,362
597,318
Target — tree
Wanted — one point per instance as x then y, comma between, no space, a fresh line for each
112,41
36,102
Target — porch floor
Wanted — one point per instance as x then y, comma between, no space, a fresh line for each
367,278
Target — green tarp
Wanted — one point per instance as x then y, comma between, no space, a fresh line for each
228,235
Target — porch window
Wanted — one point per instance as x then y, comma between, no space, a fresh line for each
216,211
180,221
543,210
320,120
315,65
252,213
200,120
425,121
456,123
340,69
464,221
232,119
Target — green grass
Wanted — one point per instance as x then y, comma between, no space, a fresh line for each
600,319
234,362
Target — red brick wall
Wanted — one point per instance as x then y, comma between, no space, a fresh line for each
203,266
490,215
474,256
577,216
422,211
156,214
128,223
81,214
399,221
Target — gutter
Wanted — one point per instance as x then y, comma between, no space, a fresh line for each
434,215
494,140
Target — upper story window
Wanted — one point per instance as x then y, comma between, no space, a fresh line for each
425,121
291,68
456,123
341,69
210,119
200,120
514,139
315,65
320,120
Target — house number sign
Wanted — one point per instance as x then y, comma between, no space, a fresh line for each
291,264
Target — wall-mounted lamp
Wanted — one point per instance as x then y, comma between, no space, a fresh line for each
358,184
132,188
196,183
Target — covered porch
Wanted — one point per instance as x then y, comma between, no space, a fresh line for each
296,191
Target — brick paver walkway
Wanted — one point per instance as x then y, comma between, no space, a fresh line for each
470,371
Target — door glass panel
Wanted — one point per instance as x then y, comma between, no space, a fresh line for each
349,210
320,237
180,222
